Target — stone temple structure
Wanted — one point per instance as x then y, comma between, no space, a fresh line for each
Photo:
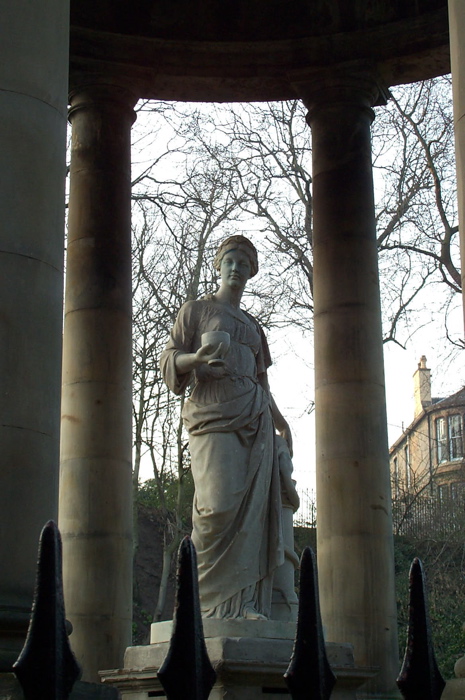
339,57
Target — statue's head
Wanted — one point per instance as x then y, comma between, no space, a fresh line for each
237,243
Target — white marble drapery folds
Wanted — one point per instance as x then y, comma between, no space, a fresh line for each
237,503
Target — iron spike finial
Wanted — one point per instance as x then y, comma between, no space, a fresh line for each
187,671
419,677
309,676
46,667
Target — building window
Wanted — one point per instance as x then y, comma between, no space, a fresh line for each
455,436
408,475
457,490
449,438
396,476
443,492
441,440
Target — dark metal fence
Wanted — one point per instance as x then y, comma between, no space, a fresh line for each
187,649
419,677
47,668
306,514
417,516
424,517
309,676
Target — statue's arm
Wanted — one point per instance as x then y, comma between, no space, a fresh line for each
180,343
180,357
188,361
281,424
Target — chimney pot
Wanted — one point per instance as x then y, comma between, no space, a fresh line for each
422,387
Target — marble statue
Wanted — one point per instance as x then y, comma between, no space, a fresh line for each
232,419
284,601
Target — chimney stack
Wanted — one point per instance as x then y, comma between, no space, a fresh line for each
422,387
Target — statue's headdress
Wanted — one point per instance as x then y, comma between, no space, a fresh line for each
237,243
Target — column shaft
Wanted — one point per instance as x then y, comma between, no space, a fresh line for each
33,99
95,479
457,60
355,543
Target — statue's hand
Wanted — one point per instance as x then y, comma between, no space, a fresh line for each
189,361
206,367
206,353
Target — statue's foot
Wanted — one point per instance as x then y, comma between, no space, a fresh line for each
249,613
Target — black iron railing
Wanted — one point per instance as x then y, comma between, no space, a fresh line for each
47,668
187,671
309,676
419,677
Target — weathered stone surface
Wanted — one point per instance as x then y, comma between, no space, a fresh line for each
231,419
355,547
265,629
457,29
33,91
249,51
246,667
95,478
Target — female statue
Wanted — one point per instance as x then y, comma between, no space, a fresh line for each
231,419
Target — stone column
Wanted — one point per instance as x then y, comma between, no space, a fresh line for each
355,543
457,60
33,99
95,479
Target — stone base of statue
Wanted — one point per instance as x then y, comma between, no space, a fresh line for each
455,688
249,657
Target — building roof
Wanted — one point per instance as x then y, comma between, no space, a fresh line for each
438,404
457,399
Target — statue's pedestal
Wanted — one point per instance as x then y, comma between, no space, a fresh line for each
454,690
249,657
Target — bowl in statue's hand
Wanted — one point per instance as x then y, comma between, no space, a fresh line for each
214,338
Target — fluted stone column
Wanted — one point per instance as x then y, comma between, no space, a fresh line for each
95,479
33,100
355,544
457,59
455,688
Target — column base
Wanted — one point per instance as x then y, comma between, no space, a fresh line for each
248,664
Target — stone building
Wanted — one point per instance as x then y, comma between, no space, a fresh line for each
429,457
339,57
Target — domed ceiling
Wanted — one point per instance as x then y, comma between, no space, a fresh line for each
251,49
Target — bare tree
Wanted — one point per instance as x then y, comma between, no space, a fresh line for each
226,169
177,225
266,148
416,210
265,151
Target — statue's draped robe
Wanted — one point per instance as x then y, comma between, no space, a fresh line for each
237,504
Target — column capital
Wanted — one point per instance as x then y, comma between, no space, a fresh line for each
341,87
102,94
